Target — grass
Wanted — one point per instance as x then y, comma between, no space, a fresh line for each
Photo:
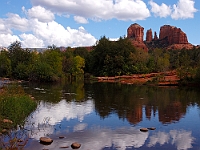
15,105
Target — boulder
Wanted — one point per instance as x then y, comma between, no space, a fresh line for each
76,145
143,129
46,140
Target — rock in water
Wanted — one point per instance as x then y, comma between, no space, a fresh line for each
46,140
151,128
143,129
76,145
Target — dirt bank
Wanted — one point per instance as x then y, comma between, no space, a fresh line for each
162,78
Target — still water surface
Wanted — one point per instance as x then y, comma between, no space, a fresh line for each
108,116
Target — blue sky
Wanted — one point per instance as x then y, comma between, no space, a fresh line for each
39,23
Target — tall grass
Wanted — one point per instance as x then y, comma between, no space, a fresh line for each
15,105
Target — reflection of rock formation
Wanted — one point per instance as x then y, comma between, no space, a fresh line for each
173,112
135,115
148,110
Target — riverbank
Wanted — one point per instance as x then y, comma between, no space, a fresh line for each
161,79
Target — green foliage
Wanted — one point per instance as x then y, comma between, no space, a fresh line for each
41,72
21,61
54,59
15,104
78,66
112,58
159,60
5,64
108,58
81,51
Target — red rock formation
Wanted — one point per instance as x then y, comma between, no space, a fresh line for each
173,35
136,32
139,45
155,36
181,46
149,35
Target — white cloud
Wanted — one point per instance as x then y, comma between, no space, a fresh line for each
162,11
80,127
80,19
62,110
42,34
183,9
4,28
182,139
7,39
30,41
98,9
54,33
41,14
14,21
160,137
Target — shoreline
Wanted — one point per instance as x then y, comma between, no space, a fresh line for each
168,78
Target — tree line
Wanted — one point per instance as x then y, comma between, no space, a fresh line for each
108,58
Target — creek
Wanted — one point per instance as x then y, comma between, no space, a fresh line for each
108,116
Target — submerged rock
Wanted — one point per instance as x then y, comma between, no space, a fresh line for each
76,145
151,128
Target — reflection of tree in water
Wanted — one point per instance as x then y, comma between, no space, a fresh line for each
128,101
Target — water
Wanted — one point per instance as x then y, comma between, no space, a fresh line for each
108,116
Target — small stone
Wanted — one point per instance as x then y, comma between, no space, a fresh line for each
76,145
46,140
19,140
7,121
151,128
64,147
61,137
4,131
143,129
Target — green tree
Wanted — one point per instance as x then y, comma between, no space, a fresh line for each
78,66
5,64
81,51
54,59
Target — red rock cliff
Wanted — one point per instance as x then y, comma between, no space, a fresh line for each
149,35
173,35
136,32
